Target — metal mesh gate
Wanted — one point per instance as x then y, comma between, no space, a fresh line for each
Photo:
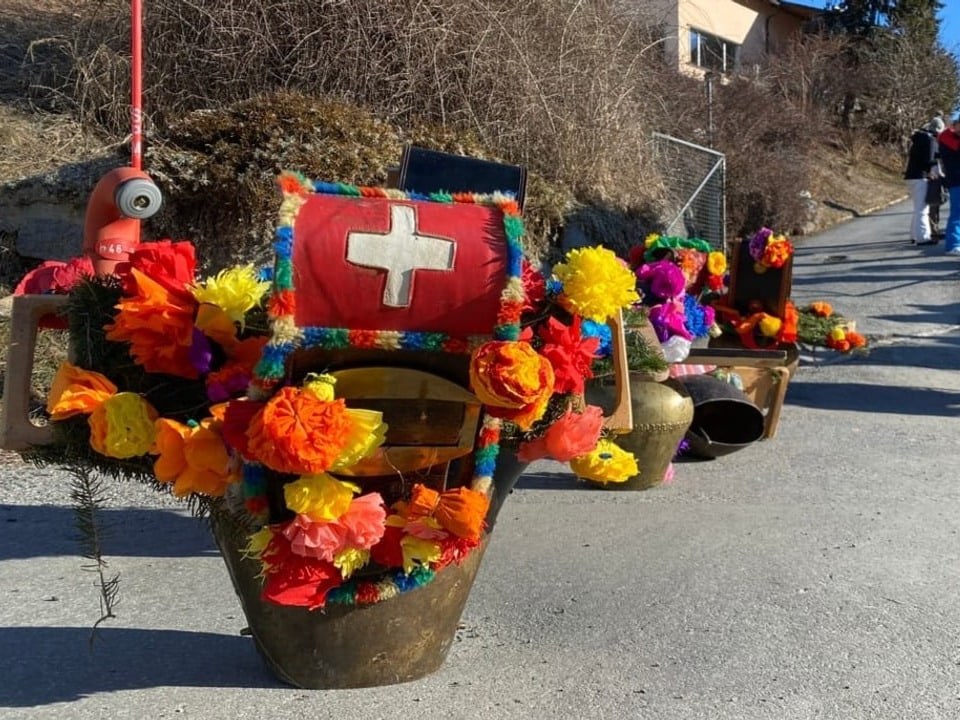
694,179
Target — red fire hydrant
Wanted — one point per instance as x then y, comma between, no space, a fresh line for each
111,228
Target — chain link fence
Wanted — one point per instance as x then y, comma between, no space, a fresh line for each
694,179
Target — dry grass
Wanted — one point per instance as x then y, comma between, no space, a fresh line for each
36,142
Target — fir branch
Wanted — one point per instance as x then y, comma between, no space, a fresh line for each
86,490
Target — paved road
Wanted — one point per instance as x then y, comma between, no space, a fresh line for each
814,575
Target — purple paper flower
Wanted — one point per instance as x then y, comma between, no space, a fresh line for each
758,243
200,353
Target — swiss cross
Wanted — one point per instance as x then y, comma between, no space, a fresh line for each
400,252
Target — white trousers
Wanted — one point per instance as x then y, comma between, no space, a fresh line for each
920,223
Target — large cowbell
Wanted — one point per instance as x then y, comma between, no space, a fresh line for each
403,266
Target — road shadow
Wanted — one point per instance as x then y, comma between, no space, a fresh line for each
865,398
35,531
552,481
46,665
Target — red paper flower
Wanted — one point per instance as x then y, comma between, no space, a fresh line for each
389,552
569,353
236,420
301,582
534,287
171,264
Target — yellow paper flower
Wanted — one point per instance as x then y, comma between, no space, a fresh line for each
650,239
417,551
320,497
716,263
257,541
350,559
770,325
596,283
368,433
607,463
320,387
838,334
236,291
123,426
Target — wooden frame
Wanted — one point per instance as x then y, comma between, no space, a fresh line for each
771,288
764,373
17,432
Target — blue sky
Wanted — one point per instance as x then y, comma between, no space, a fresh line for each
949,22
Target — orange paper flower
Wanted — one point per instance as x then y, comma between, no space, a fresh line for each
158,324
297,433
75,390
821,309
460,511
513,380
193,458
856,340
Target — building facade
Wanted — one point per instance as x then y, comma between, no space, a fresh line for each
723,36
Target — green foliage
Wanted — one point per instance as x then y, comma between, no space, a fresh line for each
642,356
87,492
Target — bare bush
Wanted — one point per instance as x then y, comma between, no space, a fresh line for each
572,89
557,85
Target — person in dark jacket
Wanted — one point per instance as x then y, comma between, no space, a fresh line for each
922,158
949,147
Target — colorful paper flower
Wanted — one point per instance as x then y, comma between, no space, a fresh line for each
301,582
596,283
513,380
716,263
460,511
821,309
769,250
569,352
571,435
296,433
608,463
158,325
236,291
169,264
319,497
193,457
534,287
123,426
77,391
360,527
661,279
302,431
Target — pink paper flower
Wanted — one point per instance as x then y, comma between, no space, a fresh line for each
571,435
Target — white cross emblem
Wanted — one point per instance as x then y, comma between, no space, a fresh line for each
400,252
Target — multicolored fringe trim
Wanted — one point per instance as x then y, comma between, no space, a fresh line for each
390,584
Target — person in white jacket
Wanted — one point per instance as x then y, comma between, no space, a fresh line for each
921,159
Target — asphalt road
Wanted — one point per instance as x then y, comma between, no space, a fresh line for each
814,575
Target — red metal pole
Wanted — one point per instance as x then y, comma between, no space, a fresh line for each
136,90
